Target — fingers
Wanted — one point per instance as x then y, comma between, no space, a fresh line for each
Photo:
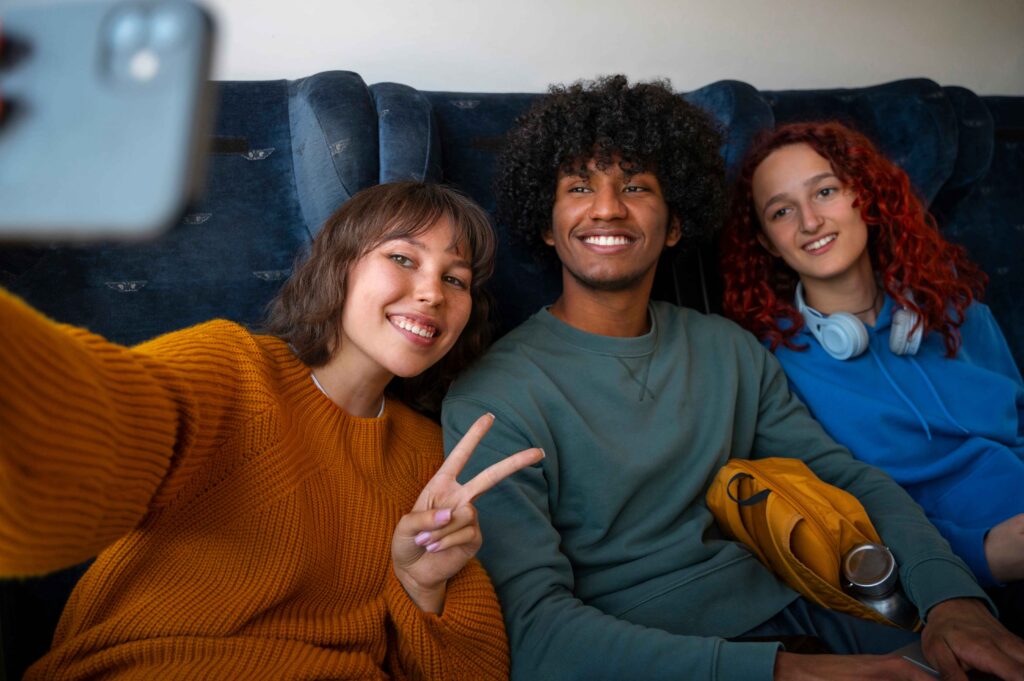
416,522
462,529
495,473
467,538
460,454
1007,658
946,663
962,634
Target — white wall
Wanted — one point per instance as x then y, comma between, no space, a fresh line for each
522,45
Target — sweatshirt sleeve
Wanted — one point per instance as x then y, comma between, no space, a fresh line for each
465,642
929,572
552,634
969,544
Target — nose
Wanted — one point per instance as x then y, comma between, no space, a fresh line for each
606,204
429,289
810,220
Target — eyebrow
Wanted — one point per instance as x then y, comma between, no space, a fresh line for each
807,183
452,248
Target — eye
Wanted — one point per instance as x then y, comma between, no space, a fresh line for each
828,192
455,281
634,188
402,260
779,214
579,189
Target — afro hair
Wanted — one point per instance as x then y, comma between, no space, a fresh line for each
646,126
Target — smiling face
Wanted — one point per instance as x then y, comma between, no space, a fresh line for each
609,227
809,219
406,303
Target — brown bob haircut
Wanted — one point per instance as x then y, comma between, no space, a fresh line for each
307,311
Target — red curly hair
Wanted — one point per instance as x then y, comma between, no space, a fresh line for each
907,252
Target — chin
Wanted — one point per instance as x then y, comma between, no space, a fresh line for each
411,369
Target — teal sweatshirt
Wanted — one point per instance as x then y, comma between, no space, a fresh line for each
605,557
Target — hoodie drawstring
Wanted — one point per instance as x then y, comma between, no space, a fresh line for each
938,399
896,388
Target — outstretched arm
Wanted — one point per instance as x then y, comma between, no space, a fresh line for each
86,437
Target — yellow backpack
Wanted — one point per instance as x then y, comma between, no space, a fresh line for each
799,526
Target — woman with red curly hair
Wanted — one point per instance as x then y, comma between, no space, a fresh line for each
831,259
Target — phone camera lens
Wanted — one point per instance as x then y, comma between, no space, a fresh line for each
128,31
167,27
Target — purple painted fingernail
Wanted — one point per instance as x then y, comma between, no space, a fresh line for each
433,548
443,516
422,538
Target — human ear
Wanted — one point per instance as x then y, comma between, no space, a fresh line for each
548,237
675,232
767,244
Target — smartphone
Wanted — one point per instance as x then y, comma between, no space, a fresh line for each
106,115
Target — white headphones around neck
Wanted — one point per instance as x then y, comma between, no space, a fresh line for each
843,336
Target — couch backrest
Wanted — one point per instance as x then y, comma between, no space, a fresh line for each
912,121
989,218
284,155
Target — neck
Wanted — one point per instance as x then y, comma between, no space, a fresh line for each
357,392
622,314
858,294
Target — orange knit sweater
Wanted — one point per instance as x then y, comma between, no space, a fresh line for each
243,522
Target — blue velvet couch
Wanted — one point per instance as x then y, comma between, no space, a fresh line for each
284,154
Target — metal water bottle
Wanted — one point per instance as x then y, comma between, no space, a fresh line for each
870,576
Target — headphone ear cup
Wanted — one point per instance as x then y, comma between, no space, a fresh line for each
904,339
841,335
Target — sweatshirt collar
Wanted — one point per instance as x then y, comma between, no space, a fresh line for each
634,346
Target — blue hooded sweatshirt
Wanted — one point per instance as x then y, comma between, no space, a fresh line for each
950,431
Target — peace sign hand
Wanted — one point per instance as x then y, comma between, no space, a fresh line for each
432,542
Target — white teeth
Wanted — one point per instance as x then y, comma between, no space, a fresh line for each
606,240
815,245
424,331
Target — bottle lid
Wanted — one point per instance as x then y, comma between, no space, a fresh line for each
870,570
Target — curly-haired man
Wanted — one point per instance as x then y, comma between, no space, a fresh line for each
606,559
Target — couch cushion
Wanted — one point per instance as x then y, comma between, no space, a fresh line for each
333,142
410,144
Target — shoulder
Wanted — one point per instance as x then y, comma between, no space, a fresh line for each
709,334
219,338
979,315
980,331
507,363
227,357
